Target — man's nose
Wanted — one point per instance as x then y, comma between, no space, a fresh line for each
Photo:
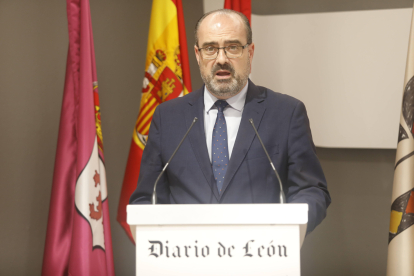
221,57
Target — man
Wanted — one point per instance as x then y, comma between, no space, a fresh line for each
222,161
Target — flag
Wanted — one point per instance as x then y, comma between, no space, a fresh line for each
167,76
243,6
78,241
401,233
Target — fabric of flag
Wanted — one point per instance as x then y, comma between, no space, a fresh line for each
78,241
243,6
401,232
167,76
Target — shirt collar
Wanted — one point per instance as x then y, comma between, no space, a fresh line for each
236,102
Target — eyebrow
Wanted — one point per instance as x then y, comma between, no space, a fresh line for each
211,43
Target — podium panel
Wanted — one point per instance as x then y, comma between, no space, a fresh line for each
236,239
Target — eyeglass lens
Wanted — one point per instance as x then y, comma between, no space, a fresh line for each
231,51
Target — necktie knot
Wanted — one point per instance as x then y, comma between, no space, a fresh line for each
221,104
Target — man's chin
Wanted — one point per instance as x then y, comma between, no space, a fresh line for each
224,80
222,89
223,85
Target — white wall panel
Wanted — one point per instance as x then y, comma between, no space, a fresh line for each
347,67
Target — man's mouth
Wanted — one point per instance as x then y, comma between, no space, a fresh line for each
223,74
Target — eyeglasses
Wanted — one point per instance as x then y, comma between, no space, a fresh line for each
231,51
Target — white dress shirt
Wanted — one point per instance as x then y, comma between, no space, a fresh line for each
232,113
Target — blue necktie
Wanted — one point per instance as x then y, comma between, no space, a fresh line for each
220,151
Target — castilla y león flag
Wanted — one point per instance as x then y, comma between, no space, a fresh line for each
167,76
401,232
78,241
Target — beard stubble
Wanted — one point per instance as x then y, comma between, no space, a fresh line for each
225,88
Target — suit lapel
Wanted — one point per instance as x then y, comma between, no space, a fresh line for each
254,108
198,139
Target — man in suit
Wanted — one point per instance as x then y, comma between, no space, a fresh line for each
221,160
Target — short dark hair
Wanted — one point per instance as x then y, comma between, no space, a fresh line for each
246,22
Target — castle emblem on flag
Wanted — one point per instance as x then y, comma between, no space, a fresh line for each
90,192
96,215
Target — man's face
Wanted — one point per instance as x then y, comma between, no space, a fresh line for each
222,76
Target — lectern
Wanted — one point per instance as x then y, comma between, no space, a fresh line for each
218,239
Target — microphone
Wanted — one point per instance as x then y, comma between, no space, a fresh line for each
154,193
282,197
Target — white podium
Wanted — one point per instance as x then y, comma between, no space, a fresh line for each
218,239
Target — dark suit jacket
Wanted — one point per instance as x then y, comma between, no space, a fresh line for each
282,124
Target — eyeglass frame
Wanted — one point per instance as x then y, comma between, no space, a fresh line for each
224,49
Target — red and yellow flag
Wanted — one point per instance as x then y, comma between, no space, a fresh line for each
167,76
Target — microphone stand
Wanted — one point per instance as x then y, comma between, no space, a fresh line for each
154,193
282,197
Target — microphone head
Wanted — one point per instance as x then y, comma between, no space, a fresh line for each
251,121
195,119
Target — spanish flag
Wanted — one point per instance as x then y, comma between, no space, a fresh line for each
167,76
401,232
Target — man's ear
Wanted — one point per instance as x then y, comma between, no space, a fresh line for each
251,51
197,54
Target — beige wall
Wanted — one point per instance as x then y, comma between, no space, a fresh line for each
353,238
33,44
